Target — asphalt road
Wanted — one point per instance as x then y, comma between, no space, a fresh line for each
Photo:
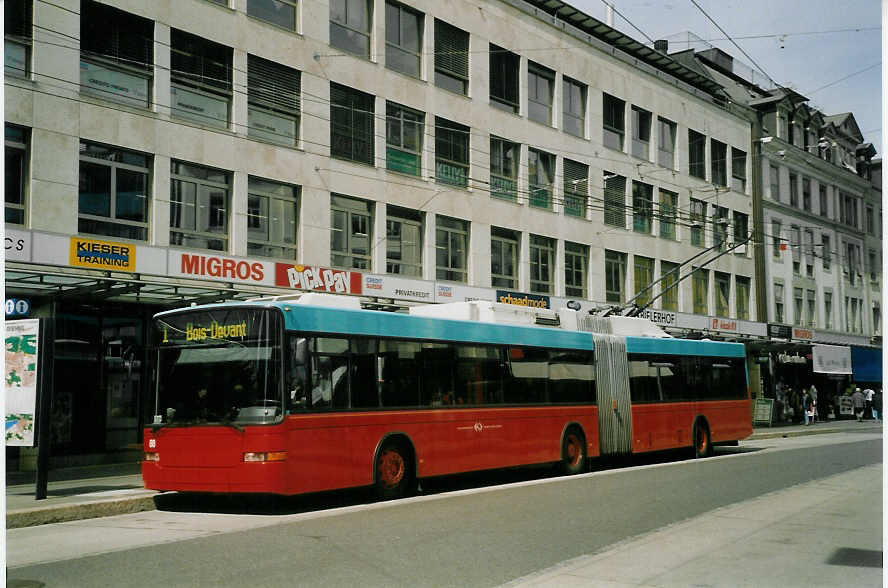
456,535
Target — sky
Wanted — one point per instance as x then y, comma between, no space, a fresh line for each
793,48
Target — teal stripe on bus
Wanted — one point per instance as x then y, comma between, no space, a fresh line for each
684,347
388,324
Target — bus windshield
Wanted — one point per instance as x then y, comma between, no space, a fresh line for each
218,366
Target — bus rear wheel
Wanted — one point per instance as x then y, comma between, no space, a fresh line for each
702,440
394,477
573,452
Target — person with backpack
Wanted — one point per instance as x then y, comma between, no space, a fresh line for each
859,401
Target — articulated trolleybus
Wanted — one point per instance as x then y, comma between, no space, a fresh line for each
310,393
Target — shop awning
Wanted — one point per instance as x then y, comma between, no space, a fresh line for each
867,364
831,359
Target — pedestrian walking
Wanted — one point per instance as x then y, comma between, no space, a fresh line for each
868,395
806,406
877,404
859,402
812,392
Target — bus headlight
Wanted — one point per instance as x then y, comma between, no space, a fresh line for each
263,456
152,456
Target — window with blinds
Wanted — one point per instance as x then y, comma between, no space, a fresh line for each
17,18
116,54
576,188
274,101
351,124
614,200
451,58
451,152
200,72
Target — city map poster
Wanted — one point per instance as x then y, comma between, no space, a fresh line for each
20,381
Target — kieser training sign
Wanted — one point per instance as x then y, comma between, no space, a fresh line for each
20,381
104,255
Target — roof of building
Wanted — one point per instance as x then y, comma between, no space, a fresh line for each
611,36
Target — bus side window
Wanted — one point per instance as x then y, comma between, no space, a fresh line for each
297,357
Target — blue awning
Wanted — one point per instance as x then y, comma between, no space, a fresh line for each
866,362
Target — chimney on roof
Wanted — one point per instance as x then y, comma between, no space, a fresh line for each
661,45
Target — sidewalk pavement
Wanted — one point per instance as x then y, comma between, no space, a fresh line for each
99,491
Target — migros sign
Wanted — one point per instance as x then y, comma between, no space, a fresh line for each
218,267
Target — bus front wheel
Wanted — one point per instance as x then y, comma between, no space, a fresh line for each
573,452
394,476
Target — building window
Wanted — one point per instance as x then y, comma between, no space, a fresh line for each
826,252
779,303
576,188
351,124
775,183
797,307
116,54
351,222
644,278
696,154
848,209
404,129
669,285
811,303
540,88
350,26
873,265
576,264
614,200
824,202
541,177
403,39
700,290
274,101
614,122
809,253
666,143
199,206
504,156
542,264
852,266
720,227
614,276
403,235
641,133
642,207
741,228
573,111
451,249
668,212
776,242
870,220
743,291
827,310
200,88
16,173
504,246
451,153
793,190
278,12
795,242
806,194
738,170
504,67
17,19
698,221
272,218
113,192
719,158
722,294
451,58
